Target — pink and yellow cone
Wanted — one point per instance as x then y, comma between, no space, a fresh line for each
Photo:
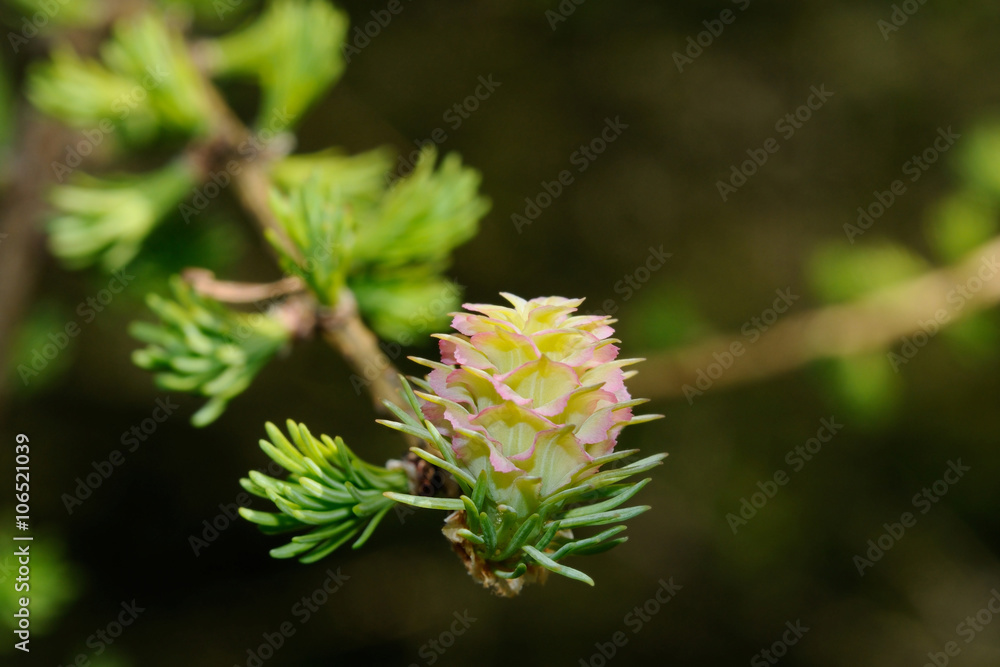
533,396
530,393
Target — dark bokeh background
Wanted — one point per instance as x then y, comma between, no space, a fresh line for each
653,186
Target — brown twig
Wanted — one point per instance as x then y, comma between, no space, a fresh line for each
205,283
22,246
874,322
342,328
251,181
372,369
41,142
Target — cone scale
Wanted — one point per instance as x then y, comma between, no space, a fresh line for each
525,409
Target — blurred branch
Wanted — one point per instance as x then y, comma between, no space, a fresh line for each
874,322
251,182
204,282
22,243
343,328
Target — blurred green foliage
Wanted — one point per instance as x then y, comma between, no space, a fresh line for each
321,230
864,387
839,272
980,159
78,13
975,338
349,222
45,317
794,558
960,223
107,220
146,85
671,318
391,241
292,50
53,584
8,115
202,347
358,178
